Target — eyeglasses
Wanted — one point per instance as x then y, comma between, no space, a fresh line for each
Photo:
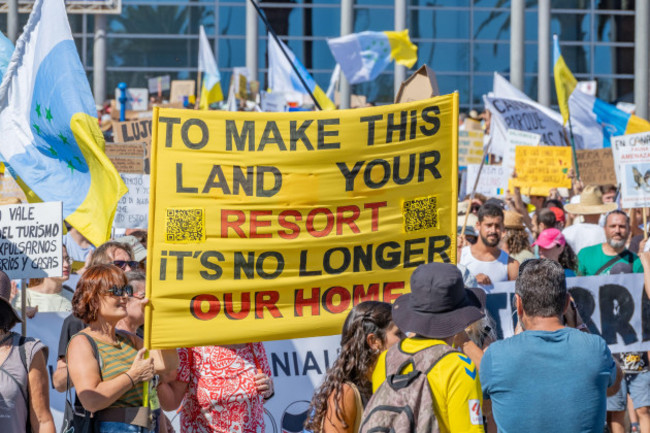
122,264
68,260
121,291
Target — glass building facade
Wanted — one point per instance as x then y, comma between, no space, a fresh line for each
463,41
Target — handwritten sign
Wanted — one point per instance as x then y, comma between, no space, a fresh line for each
30,240
181,89
542,166
470,148
596,166
133,208
517,138
136,99
159,84
492,180
632,160
135,130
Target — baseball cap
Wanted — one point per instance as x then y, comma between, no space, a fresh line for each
549,238
559,214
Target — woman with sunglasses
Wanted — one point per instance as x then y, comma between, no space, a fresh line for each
110,389
119,254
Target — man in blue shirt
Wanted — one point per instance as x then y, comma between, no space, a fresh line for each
549,377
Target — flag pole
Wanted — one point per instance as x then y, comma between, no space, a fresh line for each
573,151
277,40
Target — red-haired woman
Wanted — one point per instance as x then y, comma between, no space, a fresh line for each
110,389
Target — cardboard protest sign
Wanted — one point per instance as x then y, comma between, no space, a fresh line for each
291,219
422,84
134,130
136,99
542,167
492,180
632,163
612,306
180,89
133,208
470,148
127,157
30,240
596,166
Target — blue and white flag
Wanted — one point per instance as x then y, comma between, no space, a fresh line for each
49,132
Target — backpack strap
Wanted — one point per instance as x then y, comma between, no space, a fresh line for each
421,362
623,255
95,350
23,357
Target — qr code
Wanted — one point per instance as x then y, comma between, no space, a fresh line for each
420,214
185,225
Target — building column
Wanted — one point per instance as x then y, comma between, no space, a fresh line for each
400,24
99,60
347,27
12,20
544,53
517,17
252,45
641,46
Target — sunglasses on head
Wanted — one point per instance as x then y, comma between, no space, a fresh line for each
121,291
122,264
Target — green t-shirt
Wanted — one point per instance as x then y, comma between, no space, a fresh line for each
591,259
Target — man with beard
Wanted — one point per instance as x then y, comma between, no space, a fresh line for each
599,259
485,260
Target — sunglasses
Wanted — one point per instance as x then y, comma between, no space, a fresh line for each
122,264
121,291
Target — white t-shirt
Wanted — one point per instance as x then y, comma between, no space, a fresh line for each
46,302
582,235
496,270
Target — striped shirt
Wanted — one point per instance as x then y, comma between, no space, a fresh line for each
116,360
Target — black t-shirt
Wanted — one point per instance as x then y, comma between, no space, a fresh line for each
71,326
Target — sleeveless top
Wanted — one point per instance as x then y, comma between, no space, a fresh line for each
496,270
13,406
116,360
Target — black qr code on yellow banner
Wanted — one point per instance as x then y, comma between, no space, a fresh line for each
185,225
420,214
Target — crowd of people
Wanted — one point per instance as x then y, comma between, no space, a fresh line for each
434,350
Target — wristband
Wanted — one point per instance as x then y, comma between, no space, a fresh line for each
130,378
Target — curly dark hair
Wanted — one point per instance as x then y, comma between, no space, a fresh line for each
568,259
516,240
355,360
95,281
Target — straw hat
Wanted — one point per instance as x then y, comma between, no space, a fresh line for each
591,202
513,220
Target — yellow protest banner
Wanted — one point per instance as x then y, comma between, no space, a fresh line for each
470,148
542,167
267,226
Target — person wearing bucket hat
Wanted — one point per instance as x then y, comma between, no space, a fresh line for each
588,232
436,313
548,378
24,381
599,259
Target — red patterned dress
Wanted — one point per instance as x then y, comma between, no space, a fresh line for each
222,396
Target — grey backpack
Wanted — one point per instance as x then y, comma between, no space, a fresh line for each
404,402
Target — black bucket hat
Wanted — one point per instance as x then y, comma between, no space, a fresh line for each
439,305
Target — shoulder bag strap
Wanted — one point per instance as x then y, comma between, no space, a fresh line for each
95,349
609,263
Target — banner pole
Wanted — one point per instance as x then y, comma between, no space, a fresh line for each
23,306
471,196
645,224
573,151
277,40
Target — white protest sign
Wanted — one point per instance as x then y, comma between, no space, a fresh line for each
136,99
517,138
491,181
610,305
632,164
133,208
30,240
519,115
